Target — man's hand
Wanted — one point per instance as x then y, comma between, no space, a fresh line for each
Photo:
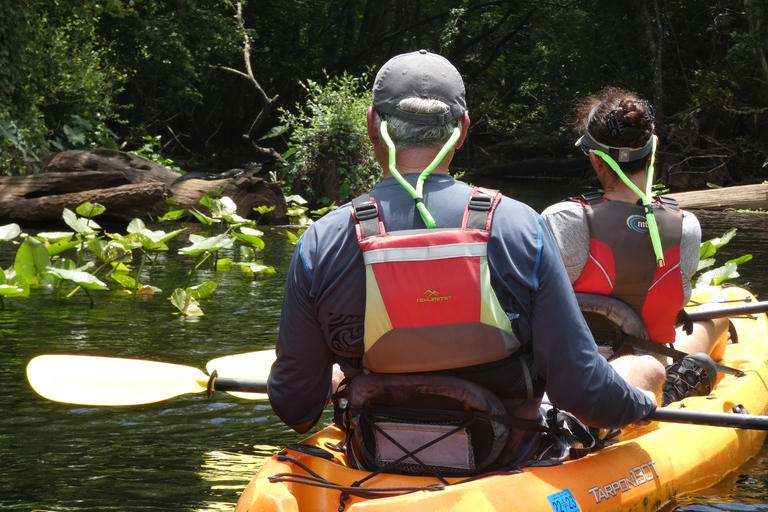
336,379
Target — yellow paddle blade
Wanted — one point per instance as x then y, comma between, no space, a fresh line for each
251,365
111,381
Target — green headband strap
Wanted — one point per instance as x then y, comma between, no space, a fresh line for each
653,228
418,191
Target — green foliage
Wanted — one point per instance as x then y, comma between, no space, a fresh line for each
151,150
57,84
40,260
329,135
720,274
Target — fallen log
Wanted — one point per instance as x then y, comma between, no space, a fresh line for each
742,197
127,185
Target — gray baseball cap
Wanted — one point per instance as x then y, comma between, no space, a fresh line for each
419,75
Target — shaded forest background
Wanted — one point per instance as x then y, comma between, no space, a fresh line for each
202,82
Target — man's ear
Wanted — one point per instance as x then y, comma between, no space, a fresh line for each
464,121
373,133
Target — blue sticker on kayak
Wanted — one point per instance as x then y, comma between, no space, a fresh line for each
563,501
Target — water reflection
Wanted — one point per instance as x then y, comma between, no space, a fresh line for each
743,490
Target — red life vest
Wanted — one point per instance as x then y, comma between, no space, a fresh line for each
622,263
429,301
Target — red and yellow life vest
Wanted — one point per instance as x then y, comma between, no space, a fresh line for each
622,263
429,301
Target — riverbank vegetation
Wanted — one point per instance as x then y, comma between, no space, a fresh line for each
211,79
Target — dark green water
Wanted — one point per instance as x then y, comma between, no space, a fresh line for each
192,453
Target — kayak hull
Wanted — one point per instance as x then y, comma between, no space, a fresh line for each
651,465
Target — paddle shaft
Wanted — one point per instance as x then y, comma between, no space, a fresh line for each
729,311
241,385
712,419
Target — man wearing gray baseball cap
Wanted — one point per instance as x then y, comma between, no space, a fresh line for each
445,308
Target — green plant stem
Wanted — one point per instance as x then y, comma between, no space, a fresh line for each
95,273
200,260
89,296
141,267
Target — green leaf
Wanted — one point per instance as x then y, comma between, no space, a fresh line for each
31,259
79,224
257,267
204,219
110,251
124,280
719,242
705,263
741,259
203,244
250,236
172,215
89,210
202,290
82,279
185,303
263,209
9,231
275,131
7,290
295,198
55,237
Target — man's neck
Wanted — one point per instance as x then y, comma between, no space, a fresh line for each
415,160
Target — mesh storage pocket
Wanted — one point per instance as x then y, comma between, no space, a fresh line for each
423,424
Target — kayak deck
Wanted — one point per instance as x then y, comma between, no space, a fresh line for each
647,469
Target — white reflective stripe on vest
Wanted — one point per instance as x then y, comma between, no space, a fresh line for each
473,250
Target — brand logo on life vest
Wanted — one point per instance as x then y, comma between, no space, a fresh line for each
638,475
432,296
638,223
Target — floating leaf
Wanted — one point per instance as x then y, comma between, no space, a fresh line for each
202,290
83,279
185,303
124,280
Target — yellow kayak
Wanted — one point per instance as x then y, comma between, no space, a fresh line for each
648,468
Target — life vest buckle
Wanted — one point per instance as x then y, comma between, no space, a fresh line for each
366,211
480,202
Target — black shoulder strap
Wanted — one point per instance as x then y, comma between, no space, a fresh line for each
669,202
479,208
367,214
593,198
